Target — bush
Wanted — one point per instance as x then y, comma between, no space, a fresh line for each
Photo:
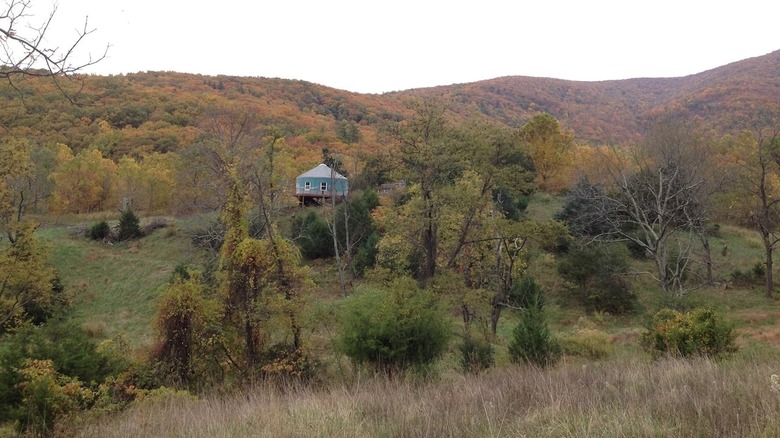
313,236
39,312
100,231
597,276
393,329
283,362
365,258
476,354
700,332
129,227
587,342
72,353
47,396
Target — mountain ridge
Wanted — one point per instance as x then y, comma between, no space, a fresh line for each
161,111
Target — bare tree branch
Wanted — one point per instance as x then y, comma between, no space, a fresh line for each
24,49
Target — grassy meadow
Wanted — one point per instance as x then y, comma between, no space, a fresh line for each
604,386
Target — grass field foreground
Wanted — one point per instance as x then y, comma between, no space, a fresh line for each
636,399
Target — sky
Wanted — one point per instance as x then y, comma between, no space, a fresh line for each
379,46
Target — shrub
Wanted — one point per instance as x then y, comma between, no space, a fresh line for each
597,277
39,312
587,342
283,362
393,329
313,236
476,354
759,270
72,353
47,396
700,332
129,227
365,258
100,231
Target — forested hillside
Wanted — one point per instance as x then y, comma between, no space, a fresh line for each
724,99
551,257
162,111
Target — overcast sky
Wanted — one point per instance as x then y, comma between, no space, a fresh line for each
378,46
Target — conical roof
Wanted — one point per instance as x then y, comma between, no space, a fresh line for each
321,171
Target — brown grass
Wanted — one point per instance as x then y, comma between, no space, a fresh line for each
635,399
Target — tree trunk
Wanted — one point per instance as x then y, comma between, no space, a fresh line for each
769,280
429,241
495,313
707,256
342,282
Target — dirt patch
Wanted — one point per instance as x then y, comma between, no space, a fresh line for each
769,335
94,256
627,337
756,317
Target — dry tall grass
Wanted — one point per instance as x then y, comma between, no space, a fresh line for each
666,398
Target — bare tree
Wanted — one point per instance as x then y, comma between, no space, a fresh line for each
656,200
758,168
25,51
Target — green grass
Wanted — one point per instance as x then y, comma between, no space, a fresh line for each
114,288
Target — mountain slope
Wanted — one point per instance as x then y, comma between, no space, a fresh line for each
724,99
164,111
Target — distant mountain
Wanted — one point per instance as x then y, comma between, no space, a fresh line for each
724,99
163,111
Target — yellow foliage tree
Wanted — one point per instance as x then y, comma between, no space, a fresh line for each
15,165
25,279
82,183
550,149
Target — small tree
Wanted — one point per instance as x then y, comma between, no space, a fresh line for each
476,354
532,341
129,227
100,231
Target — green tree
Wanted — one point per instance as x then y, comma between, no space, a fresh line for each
532,341
129,225
431,157
312,235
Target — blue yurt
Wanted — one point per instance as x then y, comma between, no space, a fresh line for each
320,183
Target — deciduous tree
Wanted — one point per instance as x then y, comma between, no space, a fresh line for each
25,278
549,146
